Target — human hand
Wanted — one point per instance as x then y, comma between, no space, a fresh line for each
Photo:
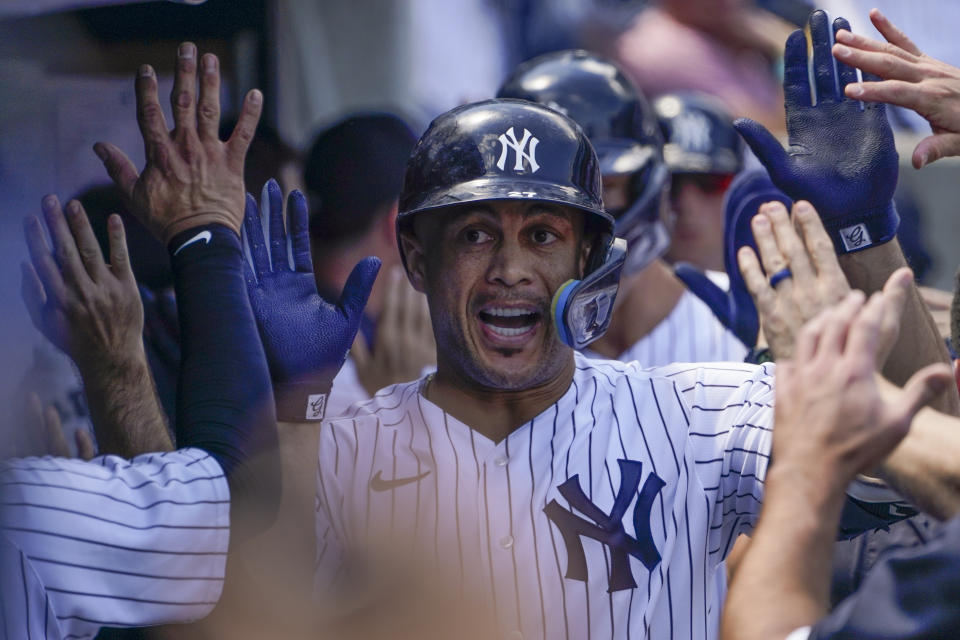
87,308
305,337
834,417
815,281
907,77
47,422
191,178
735,308
841,156
404,343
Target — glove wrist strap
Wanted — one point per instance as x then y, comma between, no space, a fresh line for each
863,229
301,401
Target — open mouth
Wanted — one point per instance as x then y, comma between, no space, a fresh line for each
510,322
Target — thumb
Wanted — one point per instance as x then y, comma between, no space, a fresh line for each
921,389
704,288
931,148
764,145
85,448
357,289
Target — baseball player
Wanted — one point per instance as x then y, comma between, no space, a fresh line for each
657,320
144,541
704,153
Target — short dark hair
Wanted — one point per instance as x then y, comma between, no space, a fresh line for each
354,170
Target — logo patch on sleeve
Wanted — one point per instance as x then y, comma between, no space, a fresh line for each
855,237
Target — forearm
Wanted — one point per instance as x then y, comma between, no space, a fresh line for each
924,467
783,581
919,342
126,414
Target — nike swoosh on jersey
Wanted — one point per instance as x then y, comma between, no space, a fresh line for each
203,235
377,483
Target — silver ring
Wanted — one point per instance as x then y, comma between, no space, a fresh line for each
780,276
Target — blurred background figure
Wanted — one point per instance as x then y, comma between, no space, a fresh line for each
703,152
353,175
729,49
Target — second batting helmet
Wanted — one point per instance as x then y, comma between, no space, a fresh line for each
699,135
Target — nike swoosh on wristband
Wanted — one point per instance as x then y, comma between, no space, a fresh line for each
377,483
206,236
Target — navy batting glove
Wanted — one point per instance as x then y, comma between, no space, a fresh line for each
841,156
306,338
735,308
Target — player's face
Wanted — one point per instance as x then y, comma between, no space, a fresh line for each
490,271
697,201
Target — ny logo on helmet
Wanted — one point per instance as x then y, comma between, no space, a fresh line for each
692,131
509,141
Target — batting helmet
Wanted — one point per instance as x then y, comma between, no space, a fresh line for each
699,135
517,150
622,128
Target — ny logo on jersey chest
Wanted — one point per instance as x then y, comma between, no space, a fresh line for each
608,528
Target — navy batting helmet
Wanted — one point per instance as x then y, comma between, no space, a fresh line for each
699,135
517,150
622,128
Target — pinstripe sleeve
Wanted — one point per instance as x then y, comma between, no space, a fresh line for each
329,550
731,423
117,542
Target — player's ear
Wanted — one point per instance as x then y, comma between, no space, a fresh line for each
411,248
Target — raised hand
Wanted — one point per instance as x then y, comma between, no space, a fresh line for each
735,308
306,338
92,311
905,76
841,156
191,178
404,341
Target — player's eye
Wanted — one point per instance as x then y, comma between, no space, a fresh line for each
476,236
543,236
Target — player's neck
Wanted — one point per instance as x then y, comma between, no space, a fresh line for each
645,299
494,413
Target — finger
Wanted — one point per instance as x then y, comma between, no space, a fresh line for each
271,206
789,243
87,246
845,73
183,98
253,230
815,238
85,448
358,285
932,148
153,126
119,167
34,410
796,80
766,147
300,231
243,133
896,290
208,106
863,337
119,255
31,290
837,326
808,338
756,281
881,64
824,64
770,256
64,246
892,34
43,262
921,389
53,434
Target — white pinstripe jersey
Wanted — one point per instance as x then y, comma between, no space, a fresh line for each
481,508
110,542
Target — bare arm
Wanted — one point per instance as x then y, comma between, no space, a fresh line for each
831,422
92,311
